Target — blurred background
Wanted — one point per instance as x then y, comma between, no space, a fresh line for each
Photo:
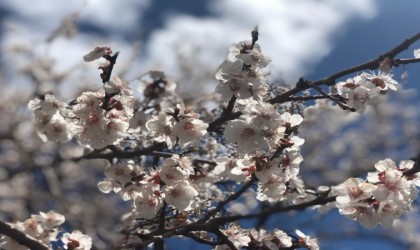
43,42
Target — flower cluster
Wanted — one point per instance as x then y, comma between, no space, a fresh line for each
241,74
385,196
362,89
177,125
149,189
49,120
44,227
97,118
102,118
259,132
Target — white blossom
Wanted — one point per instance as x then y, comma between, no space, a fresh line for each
391,184
417,53
139,120
77,241
352,201
262,115
272,184
148,203
383,81
118,86
242,51
234,87
50,220
231,168
161,128
181,195
190,131
175,169
248,137
306,241
238,236
48,104
55,129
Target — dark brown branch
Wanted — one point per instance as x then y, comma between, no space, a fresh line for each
126,154
107,70
308,98
225,240
214,124
21,237
226,115
201,240
330,80
150,151
333,98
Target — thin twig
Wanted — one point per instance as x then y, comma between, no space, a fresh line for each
232,197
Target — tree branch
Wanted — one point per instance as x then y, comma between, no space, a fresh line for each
330,80
225,239
226,115
21,237
126,154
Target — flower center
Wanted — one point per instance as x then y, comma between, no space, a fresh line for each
247,132
378,82
234,85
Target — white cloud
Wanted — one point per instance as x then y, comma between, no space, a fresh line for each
45,15
31,23
296,34
121,16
